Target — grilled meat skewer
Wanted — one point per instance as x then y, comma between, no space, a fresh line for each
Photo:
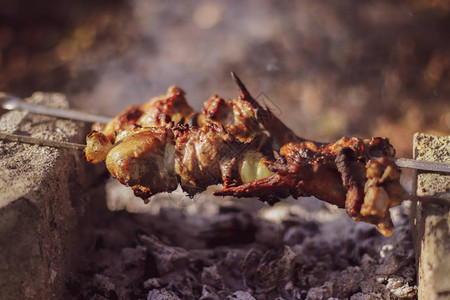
340,173
153,147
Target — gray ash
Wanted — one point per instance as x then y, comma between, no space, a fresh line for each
237,255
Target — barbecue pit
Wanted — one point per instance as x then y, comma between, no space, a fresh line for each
61,240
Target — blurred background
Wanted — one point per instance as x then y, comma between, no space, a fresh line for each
328,68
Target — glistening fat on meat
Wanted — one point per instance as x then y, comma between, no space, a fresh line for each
154,147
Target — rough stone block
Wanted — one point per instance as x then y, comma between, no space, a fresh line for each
432,221
40,203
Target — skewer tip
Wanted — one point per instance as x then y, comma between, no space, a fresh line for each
242,89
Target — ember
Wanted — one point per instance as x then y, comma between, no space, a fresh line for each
169,256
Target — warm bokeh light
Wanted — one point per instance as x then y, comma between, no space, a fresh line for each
329,68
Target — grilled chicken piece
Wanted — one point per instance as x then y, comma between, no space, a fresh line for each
236,116
340,173
171,106
151,148
155,159
143,161
358,175
154,147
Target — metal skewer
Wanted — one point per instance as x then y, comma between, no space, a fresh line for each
422,165
10,102
39,141
401,162
75,146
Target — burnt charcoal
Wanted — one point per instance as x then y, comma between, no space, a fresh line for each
73,287
289,291
211,277
132,257
230,228
150,269
162,295
249,267
269,234
347,281
399,288
323,292
196,265
183,284
101,288
208,293
233,267
167,258
294,235
297,258
99,297
104,283
152,283
392,264
240,295
274,268
266,271
99,243
362,296
296,230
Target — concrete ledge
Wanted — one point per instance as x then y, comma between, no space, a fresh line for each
38,210
432,221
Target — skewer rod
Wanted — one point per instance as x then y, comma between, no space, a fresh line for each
33,140
10,102
422,165
14,103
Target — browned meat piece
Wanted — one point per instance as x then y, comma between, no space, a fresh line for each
142,161
204,156
279,132
173,104
237,117
154,147
340,173
97,147
147,144
154,159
